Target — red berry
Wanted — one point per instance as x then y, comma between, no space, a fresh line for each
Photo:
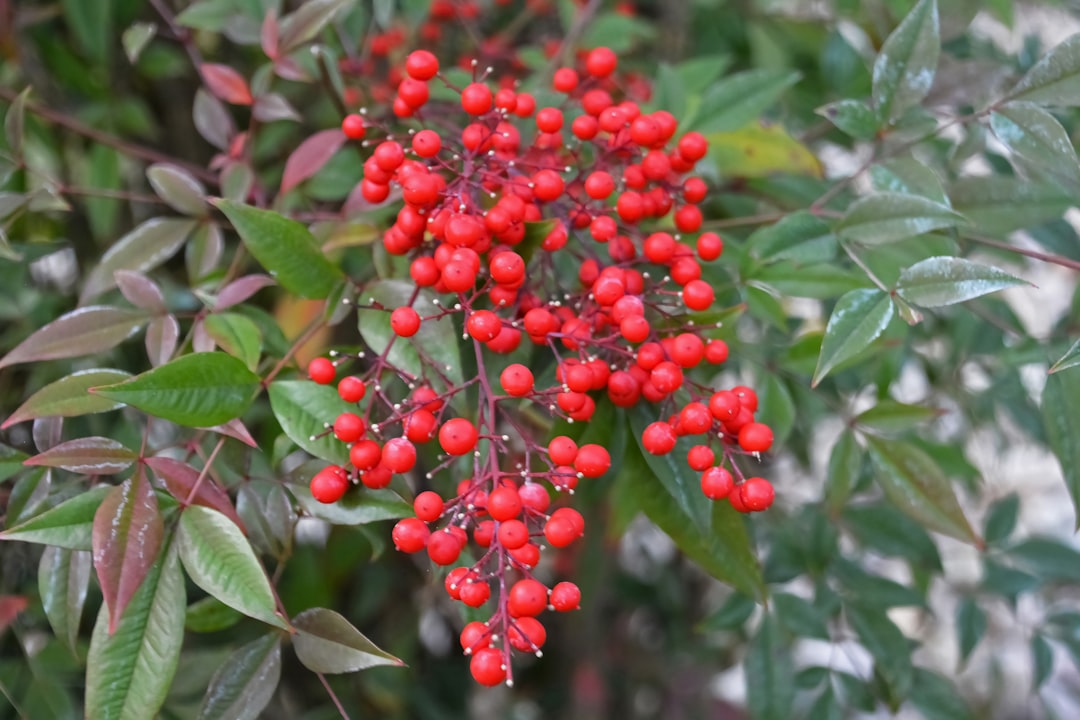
724,405
747,397
601,62
565,80
534,497
474,594
428,506
549,120
504,503
695,419
365,454
693,146
517,380
427,143
399,455
483,325
353,127
377,477
565,596
487,667
458,436
421,65
755,437
351,389
658,438
717,483
592,460
560,532
388,155
513,534
322,371
455,580
709,246
404,321
329,484
476,98
527,634
698,295
562,450
410,535
716,352
443,547
700,457
527,598
475,636
688,218
757,494
349,427
507,268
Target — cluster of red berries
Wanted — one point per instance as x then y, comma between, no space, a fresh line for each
546,224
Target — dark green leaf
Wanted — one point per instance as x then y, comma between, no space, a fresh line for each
800,616
129,670
776,407
358,507
826,707
68,397
885,643
304,408
905,67
936,697
63,579
941,281
853,117
1037,141
873,591
1070,359
699,73
1048,558
285,248
820,280
1042,655
87,456
892,416
1055,79
888,531
142,249
199,390
731,615
858,318
739,99
69,525
85,331
1059,402
970,626
914,483
1006,581
998,205
220,560
210,615
245,683
801,237
1001,519
889,216
328,643
845,466
11,462
770,692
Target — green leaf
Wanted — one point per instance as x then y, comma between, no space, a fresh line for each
1006,581
845,466
770,692
245,683
887,217
1048,558
15,123
800,616
69,525
941,281
970,626
853,117
885,643
1061,397
437,340
997,204
1001,519
86,331
326,642
1042,655
198,390
699,73
821,280
801,236
890,532
914,483
358,507
731,615
219,559
670,91
11,462
87,456
908,176
142,249
129,670
739,99
136,38
308,21
936,697
826,707
237,335
1070,359
63,579
712,534
891,416
905,67
1037,141
858,318
303,409
285,248
1055,79
68,397
128,532
871,590
210,615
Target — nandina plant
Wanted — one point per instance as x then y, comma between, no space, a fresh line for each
472,328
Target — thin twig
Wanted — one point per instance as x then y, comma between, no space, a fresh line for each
333,696
1035,254
573,34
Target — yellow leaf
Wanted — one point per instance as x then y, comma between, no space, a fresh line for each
759,150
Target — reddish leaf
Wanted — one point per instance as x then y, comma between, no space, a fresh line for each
212,120
272,107
180,478
68,397
240,290
161,338
10,607
144,248
85,331
88,456
226,84
46,432
310,156
235,429
127,536
269,35
140,291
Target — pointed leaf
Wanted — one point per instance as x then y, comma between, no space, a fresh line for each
905,67
179,188
770,691
858,319
908,176
142,249
309,157
88,456
1061,397
136,38
997,204
15,122
226,83
1042,655
937,698
11,462
68,397
180,478
1055,79
237,335
210,615
240,290
328,643
800,616
356,508
236,430
892,416
1037,140
245,683
1070,359
86,331
140,291
887,217
63,579
801,237
760,149
301,26
129,668
304,409
285,248
197,390
162,336
739,99
1001,519
845,465
69,525
1048,558
219,559
212,120
941,281
914,483
853,117
885,643
128,531
970,626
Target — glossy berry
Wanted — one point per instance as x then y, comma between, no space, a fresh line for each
513,534
601,62
658,438
757,494
565,80
474,594
516,380
410,535
458,436
565,596
322,371
399,455
421,65
487,666
700,458
404,321
504,503
353,127
527,598
592,460
329,484
351,389
476,98
443,547
527,634
349,427
365,454
755,437
428,506
717,483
